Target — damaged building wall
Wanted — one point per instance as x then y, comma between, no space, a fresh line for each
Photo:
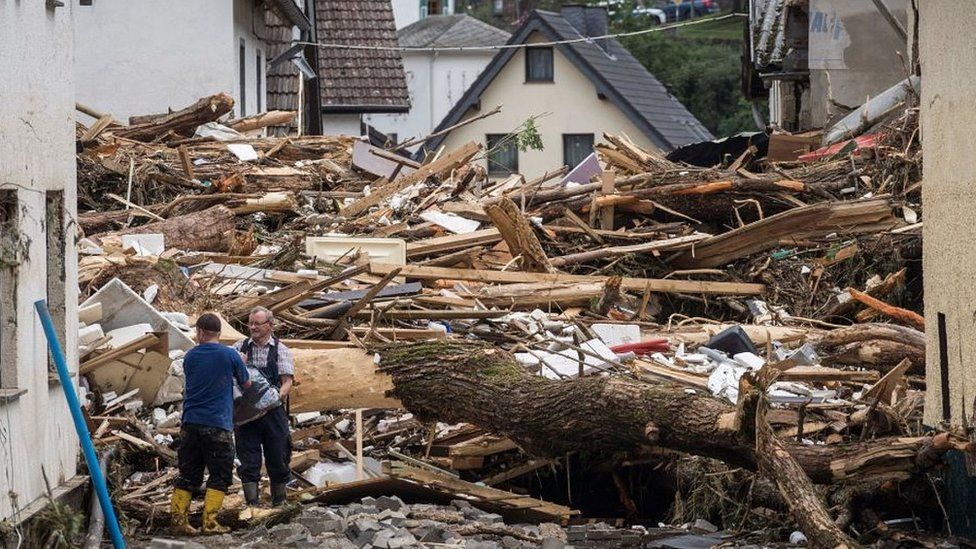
37,187
948,67
854,54
571,101
136,58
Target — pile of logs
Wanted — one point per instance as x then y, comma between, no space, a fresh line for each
500,280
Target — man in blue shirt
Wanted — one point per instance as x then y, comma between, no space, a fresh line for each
207,433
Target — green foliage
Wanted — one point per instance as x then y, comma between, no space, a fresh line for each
527,136
57,526
700,68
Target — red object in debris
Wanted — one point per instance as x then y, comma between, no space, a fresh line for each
864,142
643,347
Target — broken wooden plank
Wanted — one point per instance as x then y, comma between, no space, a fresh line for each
669,244
506,277
852,217
134,346
518,234
452,242
821,374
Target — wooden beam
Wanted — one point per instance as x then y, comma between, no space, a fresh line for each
518,234
506,277
669,244
515,472
607,212
453,242
435,314
134,346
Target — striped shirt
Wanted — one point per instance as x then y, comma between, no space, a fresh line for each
259,356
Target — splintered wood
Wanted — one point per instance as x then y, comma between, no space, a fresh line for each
475,332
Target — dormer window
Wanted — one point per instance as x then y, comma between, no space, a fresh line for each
538,64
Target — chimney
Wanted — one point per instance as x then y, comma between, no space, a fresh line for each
588,20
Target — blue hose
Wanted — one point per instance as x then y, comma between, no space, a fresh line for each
98,479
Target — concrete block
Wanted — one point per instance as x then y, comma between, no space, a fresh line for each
460,504
481,544
553,543
394,518
288,532
389,503
490,518
322,524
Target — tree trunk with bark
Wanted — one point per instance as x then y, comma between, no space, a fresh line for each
473,382
184,121
877,346
204,231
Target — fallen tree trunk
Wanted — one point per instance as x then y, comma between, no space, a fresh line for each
265,119
472,382
184,121
877,346
338,378
204,231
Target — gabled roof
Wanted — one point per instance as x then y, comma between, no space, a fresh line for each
445,31
352,80
617,75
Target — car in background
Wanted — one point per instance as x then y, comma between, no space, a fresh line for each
617,9
677,10
657,16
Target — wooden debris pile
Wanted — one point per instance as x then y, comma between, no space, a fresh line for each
633,310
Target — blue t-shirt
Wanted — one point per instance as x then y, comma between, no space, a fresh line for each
208,399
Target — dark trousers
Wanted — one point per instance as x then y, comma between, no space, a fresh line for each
270,434
204,447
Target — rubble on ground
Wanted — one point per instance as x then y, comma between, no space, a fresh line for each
630,267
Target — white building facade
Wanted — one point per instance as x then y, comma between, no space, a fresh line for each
37,259
408,12
135,57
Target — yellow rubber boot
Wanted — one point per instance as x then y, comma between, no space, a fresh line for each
180,508
211,506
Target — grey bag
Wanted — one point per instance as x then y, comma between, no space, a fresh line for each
255,401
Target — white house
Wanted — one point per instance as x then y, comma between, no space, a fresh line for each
136,57
408,12
575,91
438,79
37,233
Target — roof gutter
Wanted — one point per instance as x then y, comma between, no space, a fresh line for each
291,12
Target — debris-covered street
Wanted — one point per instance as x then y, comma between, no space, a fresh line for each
486,276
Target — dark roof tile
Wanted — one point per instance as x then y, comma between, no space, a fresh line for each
359,79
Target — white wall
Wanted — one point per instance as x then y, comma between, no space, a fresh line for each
342,124
248,26
571,101
148,56
405,12
36,155
436,82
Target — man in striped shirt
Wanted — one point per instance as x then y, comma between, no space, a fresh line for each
268,435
